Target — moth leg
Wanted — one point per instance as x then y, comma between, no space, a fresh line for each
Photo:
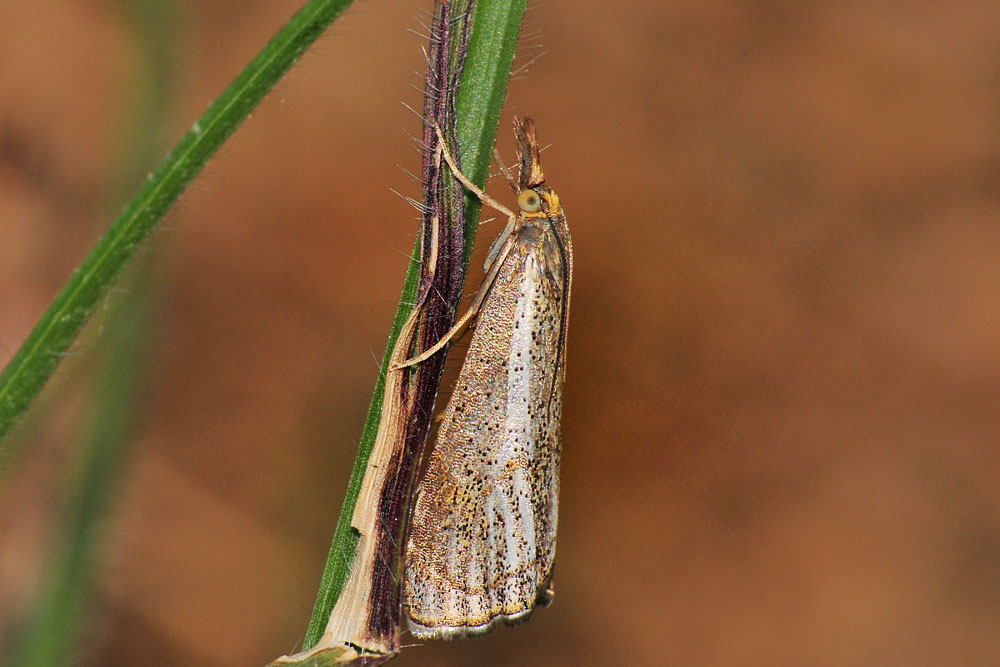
485,198
498,251
477,302
472,187
429,352
498,243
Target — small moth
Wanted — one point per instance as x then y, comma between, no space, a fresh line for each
483,532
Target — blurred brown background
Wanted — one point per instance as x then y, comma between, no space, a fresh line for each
784,365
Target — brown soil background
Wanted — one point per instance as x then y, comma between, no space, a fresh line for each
783,400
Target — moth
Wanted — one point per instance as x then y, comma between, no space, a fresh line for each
482,536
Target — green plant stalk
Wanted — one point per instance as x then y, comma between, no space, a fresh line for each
480,97
52,629
47,343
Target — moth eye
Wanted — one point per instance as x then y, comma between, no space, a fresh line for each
529,201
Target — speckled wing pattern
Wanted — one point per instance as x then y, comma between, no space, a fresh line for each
482,537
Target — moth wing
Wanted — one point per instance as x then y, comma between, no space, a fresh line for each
482,538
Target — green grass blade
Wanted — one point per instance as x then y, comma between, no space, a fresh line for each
48,341
59,613
480,97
